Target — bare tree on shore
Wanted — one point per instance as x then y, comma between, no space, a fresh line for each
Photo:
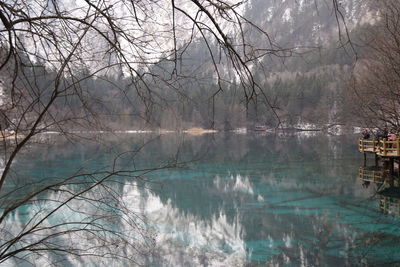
49,50
374,88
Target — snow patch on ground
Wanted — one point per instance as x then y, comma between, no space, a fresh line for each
240,130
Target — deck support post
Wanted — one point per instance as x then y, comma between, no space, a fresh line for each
365,159
391,166
384,147
398,170
385,164
376,160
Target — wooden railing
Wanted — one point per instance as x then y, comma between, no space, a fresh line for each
389,205
389,148
374,176
366,145
381,147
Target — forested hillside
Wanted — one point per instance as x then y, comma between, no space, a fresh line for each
301,78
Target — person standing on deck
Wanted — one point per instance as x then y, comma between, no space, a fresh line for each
383,134
392,136
366,134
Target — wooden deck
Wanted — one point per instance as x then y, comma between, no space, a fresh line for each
382,148
388,190
389,205
373,176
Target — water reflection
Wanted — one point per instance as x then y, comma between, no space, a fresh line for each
387,188
184,239
246,200
233,183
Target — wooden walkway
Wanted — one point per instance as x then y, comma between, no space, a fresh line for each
381,148
383,174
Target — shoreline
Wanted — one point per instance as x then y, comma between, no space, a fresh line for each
195,131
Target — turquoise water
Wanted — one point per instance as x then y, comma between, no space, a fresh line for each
239,199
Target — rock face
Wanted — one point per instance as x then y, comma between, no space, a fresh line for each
307,22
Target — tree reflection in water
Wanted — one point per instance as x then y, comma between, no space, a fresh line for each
249,200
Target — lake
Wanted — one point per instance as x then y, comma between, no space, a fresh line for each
236,199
